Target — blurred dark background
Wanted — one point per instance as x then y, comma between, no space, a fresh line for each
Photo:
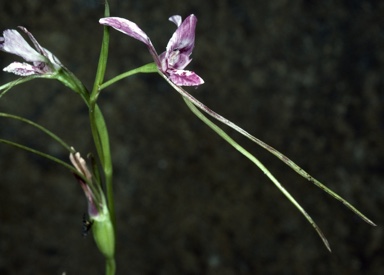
304,76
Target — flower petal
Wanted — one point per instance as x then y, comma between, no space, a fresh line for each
177,61
183,39
127,27
131,29
13,42
176,19
22,69
81,166
185,78
55,62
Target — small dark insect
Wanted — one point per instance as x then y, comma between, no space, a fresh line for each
87,224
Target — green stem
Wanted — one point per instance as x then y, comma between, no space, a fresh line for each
94,111
100,134
110,266
147,68
252,158
97,122
103,58
98,125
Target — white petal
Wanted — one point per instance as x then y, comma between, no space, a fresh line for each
14,43
52,58
127,27
176,19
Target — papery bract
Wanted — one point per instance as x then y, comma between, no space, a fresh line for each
177,55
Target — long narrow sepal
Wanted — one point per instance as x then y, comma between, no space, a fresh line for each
42,154
260,165
38,126
272,150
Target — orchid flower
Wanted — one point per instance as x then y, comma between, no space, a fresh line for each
43,61
177,55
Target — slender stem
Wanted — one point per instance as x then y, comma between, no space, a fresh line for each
98,125
103,58
101,137
110,266
148,68
252,158
272,150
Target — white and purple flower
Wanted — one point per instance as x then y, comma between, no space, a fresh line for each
177,55
43,62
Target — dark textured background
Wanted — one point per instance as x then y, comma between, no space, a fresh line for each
304,76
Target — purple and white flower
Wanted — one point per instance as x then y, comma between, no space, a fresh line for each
43,62
177,55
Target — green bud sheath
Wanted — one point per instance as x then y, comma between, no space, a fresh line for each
104,235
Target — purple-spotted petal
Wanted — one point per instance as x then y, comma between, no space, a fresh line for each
183,39
22,69
185,78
